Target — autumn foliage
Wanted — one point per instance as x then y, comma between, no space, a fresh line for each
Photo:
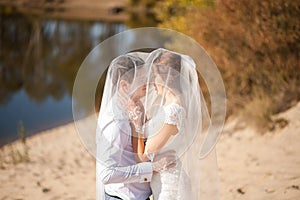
255,44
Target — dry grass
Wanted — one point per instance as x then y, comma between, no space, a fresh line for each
15,153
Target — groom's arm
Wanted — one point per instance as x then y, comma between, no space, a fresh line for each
141,172
110,148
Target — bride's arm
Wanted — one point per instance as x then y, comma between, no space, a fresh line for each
174,116
155,143
158,140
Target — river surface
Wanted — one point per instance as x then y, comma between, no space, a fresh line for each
39,59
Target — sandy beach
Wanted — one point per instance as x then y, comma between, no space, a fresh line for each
251,165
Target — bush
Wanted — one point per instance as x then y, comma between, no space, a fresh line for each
255,44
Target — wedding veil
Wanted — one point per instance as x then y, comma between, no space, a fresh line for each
176,73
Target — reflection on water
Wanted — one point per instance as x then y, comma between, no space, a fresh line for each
39,59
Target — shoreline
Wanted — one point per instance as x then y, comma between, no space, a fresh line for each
15,137
91,10
251,165
58,167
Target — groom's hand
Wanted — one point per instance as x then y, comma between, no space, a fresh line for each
164,161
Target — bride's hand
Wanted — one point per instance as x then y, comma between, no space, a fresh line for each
136,114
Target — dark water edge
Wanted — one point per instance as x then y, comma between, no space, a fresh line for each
39,59
33,117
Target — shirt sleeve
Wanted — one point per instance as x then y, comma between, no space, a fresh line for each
111,141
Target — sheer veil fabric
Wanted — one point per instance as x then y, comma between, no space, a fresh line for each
176,77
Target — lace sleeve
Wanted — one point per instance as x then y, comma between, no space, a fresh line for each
175,114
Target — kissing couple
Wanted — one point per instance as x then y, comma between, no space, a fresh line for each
151,112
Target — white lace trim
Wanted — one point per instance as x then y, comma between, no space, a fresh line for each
175,114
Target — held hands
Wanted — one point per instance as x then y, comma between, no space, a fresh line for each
164,161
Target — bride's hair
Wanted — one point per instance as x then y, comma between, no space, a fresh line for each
123,67
172,60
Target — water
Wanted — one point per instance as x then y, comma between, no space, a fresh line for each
39,59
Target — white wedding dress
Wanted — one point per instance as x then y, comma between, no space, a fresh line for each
167,185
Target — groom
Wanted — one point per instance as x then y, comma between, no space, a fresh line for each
117,169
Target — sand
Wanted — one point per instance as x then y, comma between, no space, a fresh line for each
251,165
254,166
59,168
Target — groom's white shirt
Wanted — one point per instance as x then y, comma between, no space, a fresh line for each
116,166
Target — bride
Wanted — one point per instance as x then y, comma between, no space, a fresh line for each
171,119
